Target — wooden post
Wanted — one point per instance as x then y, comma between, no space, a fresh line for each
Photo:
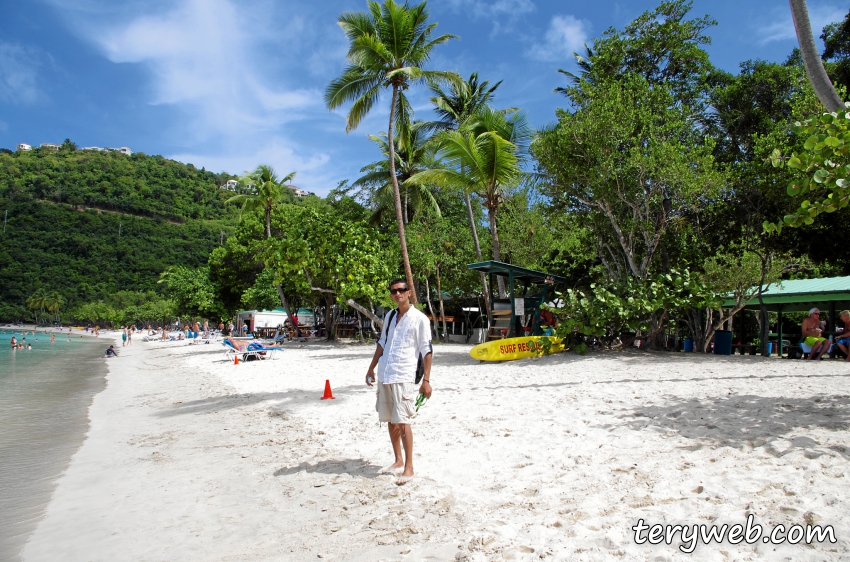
512,326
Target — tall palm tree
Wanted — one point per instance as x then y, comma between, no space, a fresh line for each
484,157
389,45
53,301
811,58
454,107
413,153
36,302
269,192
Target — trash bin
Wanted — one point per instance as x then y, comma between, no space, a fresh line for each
723,342
689,345
770,348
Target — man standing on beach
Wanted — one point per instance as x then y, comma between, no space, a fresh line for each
405,338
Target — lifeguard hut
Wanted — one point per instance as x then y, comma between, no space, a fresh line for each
526,290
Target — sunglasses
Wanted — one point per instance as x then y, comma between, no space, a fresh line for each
396,291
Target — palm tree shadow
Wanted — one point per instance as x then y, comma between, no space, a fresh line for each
749,421
353,467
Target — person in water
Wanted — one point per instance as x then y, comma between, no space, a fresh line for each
110,352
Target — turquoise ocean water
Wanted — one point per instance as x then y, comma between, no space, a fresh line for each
45,394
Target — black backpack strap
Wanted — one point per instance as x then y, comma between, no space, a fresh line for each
386,329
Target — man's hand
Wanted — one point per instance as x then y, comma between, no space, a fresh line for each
370,377
425,389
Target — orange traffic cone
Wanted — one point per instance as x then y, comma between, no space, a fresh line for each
235,359
328,394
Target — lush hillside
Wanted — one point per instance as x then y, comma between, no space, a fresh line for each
88,224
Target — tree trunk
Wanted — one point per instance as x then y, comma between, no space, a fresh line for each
497,254
431,309
268,222
329,318
368,314
285,304
485,289
442,308
811,58
397,198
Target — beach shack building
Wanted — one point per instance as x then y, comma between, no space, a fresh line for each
256,319
526,289
827,294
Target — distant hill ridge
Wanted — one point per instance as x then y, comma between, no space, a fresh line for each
158,213
138,184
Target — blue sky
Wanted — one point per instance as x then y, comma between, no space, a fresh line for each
228,84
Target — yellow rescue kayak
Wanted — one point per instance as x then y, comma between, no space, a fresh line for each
516,348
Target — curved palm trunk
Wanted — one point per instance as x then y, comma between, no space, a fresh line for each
268,222
484,288
397,198
811,58
497,254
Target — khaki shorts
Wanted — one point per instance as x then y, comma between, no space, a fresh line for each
397,402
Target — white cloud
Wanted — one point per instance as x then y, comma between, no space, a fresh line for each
781,26
276,150
18,76
566,35
224,66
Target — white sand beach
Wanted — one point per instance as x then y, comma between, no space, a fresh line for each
192,458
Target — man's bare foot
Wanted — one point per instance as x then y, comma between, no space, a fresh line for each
392,468
403,479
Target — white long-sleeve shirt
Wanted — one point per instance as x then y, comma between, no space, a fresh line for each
403,342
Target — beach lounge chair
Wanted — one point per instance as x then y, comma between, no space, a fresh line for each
254,349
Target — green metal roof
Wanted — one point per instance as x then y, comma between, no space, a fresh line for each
803,294
519,273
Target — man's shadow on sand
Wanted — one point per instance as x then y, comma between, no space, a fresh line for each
749,421
354,467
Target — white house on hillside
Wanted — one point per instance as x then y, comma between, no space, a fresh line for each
229,185
49,145
24,146
298,192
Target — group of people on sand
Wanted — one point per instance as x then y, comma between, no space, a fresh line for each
127,335
813,328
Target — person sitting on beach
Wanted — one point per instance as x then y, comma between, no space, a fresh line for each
843,343
110,352
812,331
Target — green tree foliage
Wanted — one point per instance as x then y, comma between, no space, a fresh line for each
483,157
536,238
439,253
320,253
140,185
825,167
193,292
80,255
632,304
629,162
266,191
836,40
661,46
413,153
